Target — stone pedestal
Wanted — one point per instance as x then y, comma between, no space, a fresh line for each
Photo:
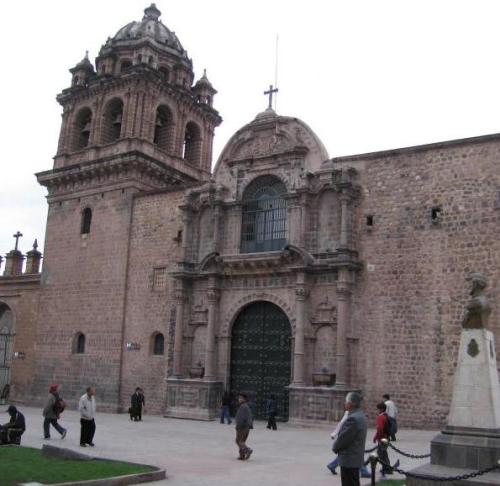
193,398
316,405
471,440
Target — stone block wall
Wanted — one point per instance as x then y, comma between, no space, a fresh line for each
155,250
83,291
436,214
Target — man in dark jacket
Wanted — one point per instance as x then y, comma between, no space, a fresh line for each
10,433
244,423
350,442
137,402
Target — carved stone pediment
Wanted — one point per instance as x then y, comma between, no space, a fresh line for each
325,313
263,145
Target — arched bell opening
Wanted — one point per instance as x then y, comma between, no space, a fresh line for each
81,129
192,144
112,121
164,128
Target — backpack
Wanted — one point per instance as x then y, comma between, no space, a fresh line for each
390,426
59,405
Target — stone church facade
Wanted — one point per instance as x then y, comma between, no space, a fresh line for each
282,271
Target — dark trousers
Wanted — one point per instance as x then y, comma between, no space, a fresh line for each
241,438
384,459
87,431
46,427
349,476
271,421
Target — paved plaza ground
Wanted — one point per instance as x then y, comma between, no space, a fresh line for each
204,453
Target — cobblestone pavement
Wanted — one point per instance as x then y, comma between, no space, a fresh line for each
204,453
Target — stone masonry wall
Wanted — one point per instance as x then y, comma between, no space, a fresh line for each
83,289
436,214
154,249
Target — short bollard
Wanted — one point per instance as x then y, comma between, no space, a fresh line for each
373,465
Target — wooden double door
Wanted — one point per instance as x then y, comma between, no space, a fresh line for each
261,357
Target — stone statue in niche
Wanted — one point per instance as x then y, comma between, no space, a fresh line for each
477,309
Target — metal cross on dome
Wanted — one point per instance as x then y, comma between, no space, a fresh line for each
270,93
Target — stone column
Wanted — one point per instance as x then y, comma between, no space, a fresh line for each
217,216
343,297
301,294
180,298
187,237
303,221
213,310
65,132
344,199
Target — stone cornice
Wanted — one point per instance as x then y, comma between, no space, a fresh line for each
124,170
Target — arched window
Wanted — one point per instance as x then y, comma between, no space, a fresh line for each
192,144
164,71
125,65
86,221
264,216
158,344
79,343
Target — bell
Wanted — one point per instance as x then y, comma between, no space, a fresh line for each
158,123
86,128
118,119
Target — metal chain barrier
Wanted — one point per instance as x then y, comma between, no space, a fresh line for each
412,456
374,459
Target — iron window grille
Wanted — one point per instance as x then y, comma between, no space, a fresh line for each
264,216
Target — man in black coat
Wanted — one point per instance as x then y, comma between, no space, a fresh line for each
137,402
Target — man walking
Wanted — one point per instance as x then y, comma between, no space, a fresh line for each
244,423
349,444
50,414
391,411
86,406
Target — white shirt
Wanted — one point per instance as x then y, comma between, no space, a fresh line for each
391,410
339,425
86,407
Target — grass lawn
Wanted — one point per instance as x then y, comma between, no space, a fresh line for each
24,464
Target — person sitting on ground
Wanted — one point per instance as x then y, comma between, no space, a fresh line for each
11,432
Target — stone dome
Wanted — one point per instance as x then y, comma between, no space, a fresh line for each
151,29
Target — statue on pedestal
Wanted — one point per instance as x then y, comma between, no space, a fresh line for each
477,310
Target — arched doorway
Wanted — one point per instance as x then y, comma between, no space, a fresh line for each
6,344
261,357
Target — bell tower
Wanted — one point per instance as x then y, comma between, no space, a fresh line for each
134,123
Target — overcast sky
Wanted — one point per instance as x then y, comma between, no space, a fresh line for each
364,75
